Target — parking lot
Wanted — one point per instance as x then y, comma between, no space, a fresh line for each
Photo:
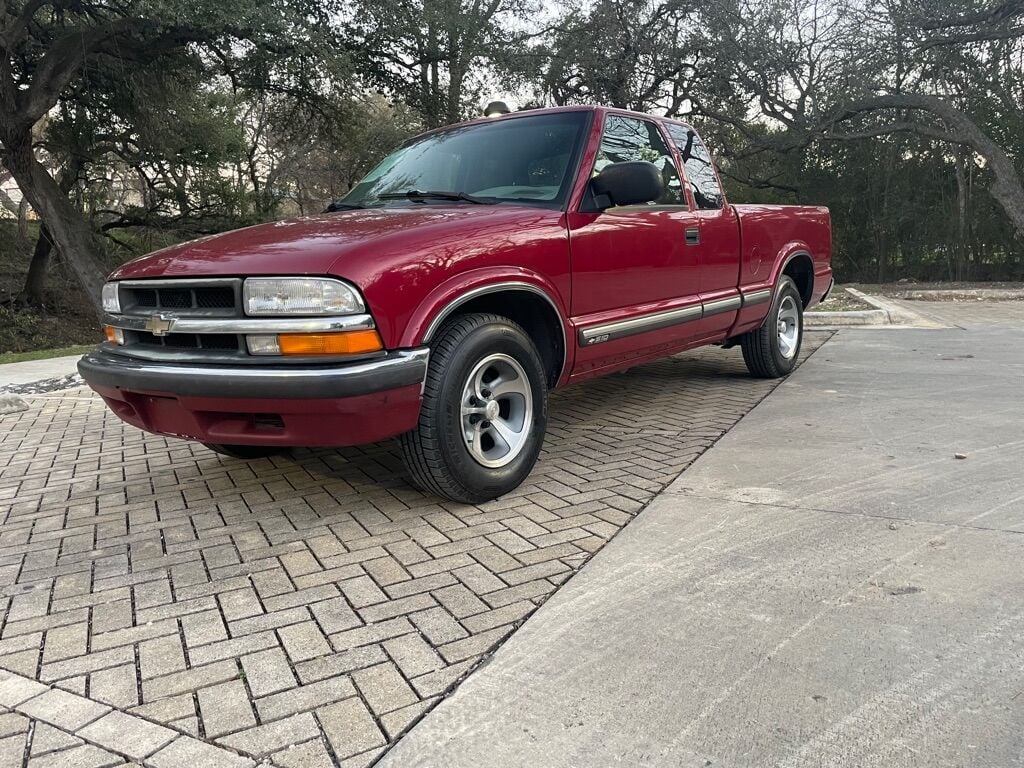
303,610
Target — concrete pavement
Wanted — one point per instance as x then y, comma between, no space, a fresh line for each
16,374
300,611
827,586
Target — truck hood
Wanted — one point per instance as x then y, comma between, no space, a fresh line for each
313,244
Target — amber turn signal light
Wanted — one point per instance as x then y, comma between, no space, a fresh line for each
114,335
345,343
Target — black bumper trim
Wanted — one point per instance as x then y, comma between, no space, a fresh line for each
397,369
828,291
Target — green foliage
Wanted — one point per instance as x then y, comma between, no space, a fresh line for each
434,55
43,354
634,54
178,118
68,318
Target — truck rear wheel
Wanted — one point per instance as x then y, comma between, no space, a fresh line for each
771,350
484,411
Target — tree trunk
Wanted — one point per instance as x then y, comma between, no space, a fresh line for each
23,219
71,232
1007,189
960,251
33,293
457,76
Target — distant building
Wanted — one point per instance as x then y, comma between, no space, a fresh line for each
10,199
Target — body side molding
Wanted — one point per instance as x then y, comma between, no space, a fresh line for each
598,334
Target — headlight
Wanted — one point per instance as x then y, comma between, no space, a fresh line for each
300,296
111,300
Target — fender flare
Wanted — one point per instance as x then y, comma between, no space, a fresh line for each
435,309
791,253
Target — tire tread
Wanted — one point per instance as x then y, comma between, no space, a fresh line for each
758,345
421,448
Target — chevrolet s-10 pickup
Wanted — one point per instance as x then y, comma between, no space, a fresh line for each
475,269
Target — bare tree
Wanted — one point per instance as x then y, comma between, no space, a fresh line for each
853,71
633,54
429,53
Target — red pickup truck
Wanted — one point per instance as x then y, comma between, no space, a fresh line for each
472,271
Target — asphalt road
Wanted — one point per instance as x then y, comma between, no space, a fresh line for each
829,585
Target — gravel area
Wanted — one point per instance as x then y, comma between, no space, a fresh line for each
841,301
70,381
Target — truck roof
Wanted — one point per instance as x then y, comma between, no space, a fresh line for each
547,111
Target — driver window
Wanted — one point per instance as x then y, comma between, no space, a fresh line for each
626,138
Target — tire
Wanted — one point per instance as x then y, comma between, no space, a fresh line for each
769,351
476,350
245,452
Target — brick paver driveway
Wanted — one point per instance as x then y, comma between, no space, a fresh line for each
301,611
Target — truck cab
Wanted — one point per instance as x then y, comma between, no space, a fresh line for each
473,270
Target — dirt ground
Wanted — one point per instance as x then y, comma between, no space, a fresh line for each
67,319
841,301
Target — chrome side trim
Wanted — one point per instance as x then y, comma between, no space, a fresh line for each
498,288
598,334
235,325
483,291
719,306
757,297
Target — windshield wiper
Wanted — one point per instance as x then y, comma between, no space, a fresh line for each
338,205
416,194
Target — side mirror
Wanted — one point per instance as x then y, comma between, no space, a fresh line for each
627,183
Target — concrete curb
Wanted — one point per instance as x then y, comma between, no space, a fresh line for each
966,294
896,313
880,315
886,314
851,317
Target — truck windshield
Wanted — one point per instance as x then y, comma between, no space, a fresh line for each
528,159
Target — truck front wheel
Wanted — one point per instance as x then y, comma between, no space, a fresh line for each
771,350
484,411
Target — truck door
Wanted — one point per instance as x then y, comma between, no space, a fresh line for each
635,269
719,232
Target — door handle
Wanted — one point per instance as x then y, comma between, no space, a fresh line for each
693,235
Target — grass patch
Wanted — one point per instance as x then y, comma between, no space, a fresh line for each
44,354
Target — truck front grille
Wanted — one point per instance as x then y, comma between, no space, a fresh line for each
220,299
221,342
212,298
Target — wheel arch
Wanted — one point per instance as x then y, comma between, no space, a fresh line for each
526,304
798,265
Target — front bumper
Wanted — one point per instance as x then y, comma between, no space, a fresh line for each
394,370
335,405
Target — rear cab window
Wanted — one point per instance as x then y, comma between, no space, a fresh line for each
699,168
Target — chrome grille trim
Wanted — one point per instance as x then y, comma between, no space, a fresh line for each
268,325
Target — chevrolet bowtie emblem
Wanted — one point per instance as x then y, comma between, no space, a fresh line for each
160,325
